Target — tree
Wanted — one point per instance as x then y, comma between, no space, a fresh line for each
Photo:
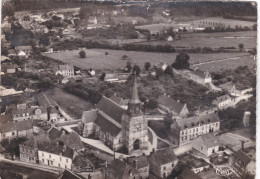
147,65
241,46
169,71
158,72
44,40
128,67
136,70
181,61
152,103
102,76
82,54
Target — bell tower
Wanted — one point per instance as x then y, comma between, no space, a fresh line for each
134,125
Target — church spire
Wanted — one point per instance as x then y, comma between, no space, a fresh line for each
135,97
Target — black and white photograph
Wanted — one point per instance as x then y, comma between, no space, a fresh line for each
138,89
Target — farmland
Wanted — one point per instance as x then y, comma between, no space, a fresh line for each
213,40
97,59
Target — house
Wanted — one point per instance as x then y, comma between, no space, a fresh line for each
56,155
11,53
9,68
169,38
54,115
188,174
69,175
21,54
202,77
5,59
222,101
65,70
22,114
141,164
26,49
92,20
118,127
162,162
120,101
55,133
16,129
71,140
187,129
169,105
242,163
234,90
111,78
207,144
82,164
29,149
118,169
246,118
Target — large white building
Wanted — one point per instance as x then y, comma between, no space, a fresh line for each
187,129
56,155
65,70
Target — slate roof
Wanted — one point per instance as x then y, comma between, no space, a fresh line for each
141,161
6,118
197,120
163,156
57,149
223,98
107,126
69,175
240,155
111,109
121,170
54,133
72,140
209,140
119,101
171,103
89,116
19,126
188,174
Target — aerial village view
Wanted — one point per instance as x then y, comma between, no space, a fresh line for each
128,89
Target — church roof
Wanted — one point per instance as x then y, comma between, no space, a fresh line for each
107,126
111,109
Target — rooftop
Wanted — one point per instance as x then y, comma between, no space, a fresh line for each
163,156
223,98
200,73
56,148
19,126
141,161
89,116
197,120
209,140
171,103
72,140
242,156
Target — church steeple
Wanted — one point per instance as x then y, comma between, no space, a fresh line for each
134,104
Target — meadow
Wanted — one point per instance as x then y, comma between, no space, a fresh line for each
97,59
213,40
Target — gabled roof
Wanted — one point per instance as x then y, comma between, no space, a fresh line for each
162,157
107,126
72,140
57,149
69,175
140,161
89,116
19,126
209,140
197,120
54,133
173,105
223,98
121,170
240,155
111,109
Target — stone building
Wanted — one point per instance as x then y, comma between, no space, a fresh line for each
116,126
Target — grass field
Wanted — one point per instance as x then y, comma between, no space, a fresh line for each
213,40
72,105
96,58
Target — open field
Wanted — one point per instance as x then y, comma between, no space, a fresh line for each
96,58
213,40
72,105
227,22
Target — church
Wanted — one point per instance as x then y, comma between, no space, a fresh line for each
116,126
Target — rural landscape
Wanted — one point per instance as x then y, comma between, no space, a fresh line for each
128,89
